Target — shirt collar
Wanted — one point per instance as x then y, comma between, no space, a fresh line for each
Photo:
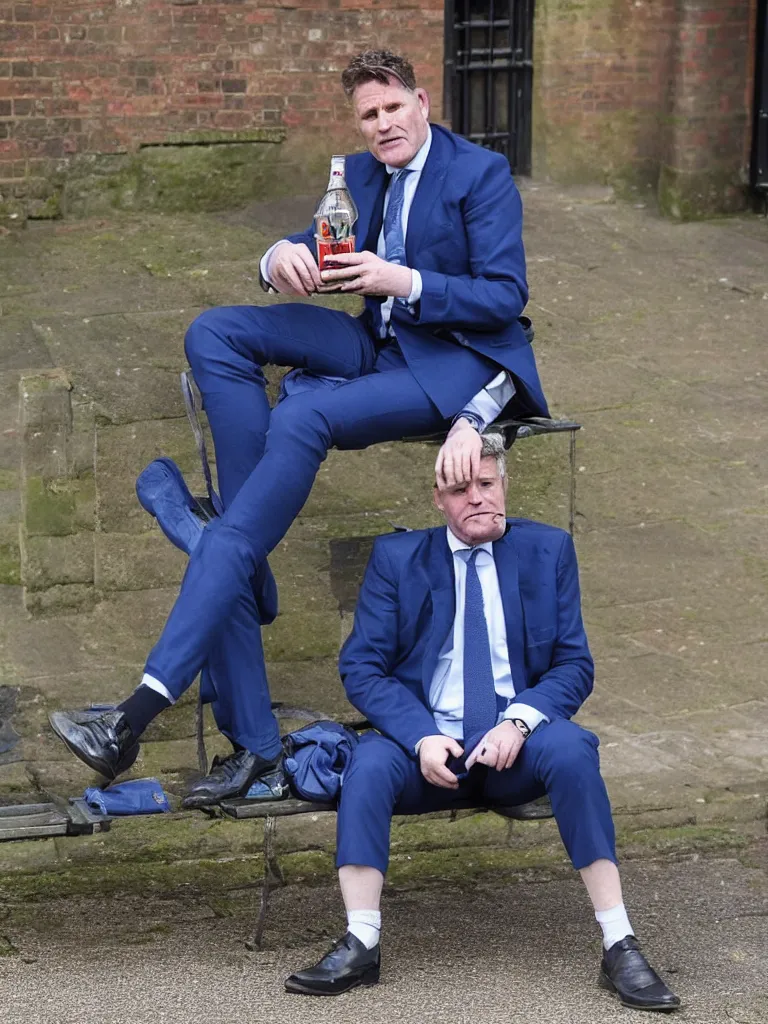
458,545
417,164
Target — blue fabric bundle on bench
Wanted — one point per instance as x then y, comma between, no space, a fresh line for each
316,758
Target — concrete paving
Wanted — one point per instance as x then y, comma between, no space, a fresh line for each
490,951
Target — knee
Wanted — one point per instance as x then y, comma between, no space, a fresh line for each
209,337
224,545
568,749
375,768
197,340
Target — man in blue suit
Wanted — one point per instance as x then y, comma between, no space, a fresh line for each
439,345
468,655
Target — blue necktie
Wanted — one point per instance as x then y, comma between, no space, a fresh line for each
480,706
394,239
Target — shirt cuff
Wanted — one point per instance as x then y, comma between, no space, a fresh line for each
264,264
485,407
416,286
531,716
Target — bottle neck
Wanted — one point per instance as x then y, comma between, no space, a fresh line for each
336,180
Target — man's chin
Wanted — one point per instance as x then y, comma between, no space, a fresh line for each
396,154
484,528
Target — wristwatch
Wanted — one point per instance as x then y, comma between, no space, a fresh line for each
522,726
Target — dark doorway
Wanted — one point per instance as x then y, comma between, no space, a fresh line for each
760,139
489,75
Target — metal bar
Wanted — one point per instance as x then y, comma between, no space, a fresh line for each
466,113
479,65
499,23
202,756
490,119
511,79
268,853
449,60
759,168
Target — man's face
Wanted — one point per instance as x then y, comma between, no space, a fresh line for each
475,512
392,120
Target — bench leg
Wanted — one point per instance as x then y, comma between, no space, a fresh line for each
273,876
202,756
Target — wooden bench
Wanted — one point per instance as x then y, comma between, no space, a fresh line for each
270,811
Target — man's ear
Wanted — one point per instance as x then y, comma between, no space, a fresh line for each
423,97
436,498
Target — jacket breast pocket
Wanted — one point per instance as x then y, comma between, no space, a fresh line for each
536,635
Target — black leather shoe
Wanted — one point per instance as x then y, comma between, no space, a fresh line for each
231,777
101,739
347,965
626,972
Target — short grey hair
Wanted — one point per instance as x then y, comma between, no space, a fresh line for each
493,448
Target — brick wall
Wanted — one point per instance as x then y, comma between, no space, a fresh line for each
102,76
604,69
705,164
647,94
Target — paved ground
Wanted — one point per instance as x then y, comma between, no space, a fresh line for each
475,952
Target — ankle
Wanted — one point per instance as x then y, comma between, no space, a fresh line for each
365,925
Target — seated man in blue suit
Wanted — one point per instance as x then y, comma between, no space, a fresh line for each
439,345
468,655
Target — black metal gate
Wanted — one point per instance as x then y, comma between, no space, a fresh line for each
760,140
489,75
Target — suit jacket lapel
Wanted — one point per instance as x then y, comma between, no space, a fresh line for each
442,590
507,569
429,187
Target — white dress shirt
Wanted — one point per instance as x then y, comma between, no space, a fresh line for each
486,405
446,691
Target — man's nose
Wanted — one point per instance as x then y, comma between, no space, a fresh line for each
385,122
474,495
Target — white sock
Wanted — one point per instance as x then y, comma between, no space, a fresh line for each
365,925
615,924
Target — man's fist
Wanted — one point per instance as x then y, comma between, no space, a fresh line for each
498,748
433,753
293,271
364,273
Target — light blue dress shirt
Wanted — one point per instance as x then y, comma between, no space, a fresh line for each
446,691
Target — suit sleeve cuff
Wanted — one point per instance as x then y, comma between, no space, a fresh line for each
529,715
485,407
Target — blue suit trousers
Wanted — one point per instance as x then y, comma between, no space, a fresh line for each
267,460
559,758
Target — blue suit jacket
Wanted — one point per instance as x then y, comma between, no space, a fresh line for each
465,238
406,609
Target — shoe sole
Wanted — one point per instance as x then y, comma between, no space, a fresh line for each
148,500
96,765
366,980
605,982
